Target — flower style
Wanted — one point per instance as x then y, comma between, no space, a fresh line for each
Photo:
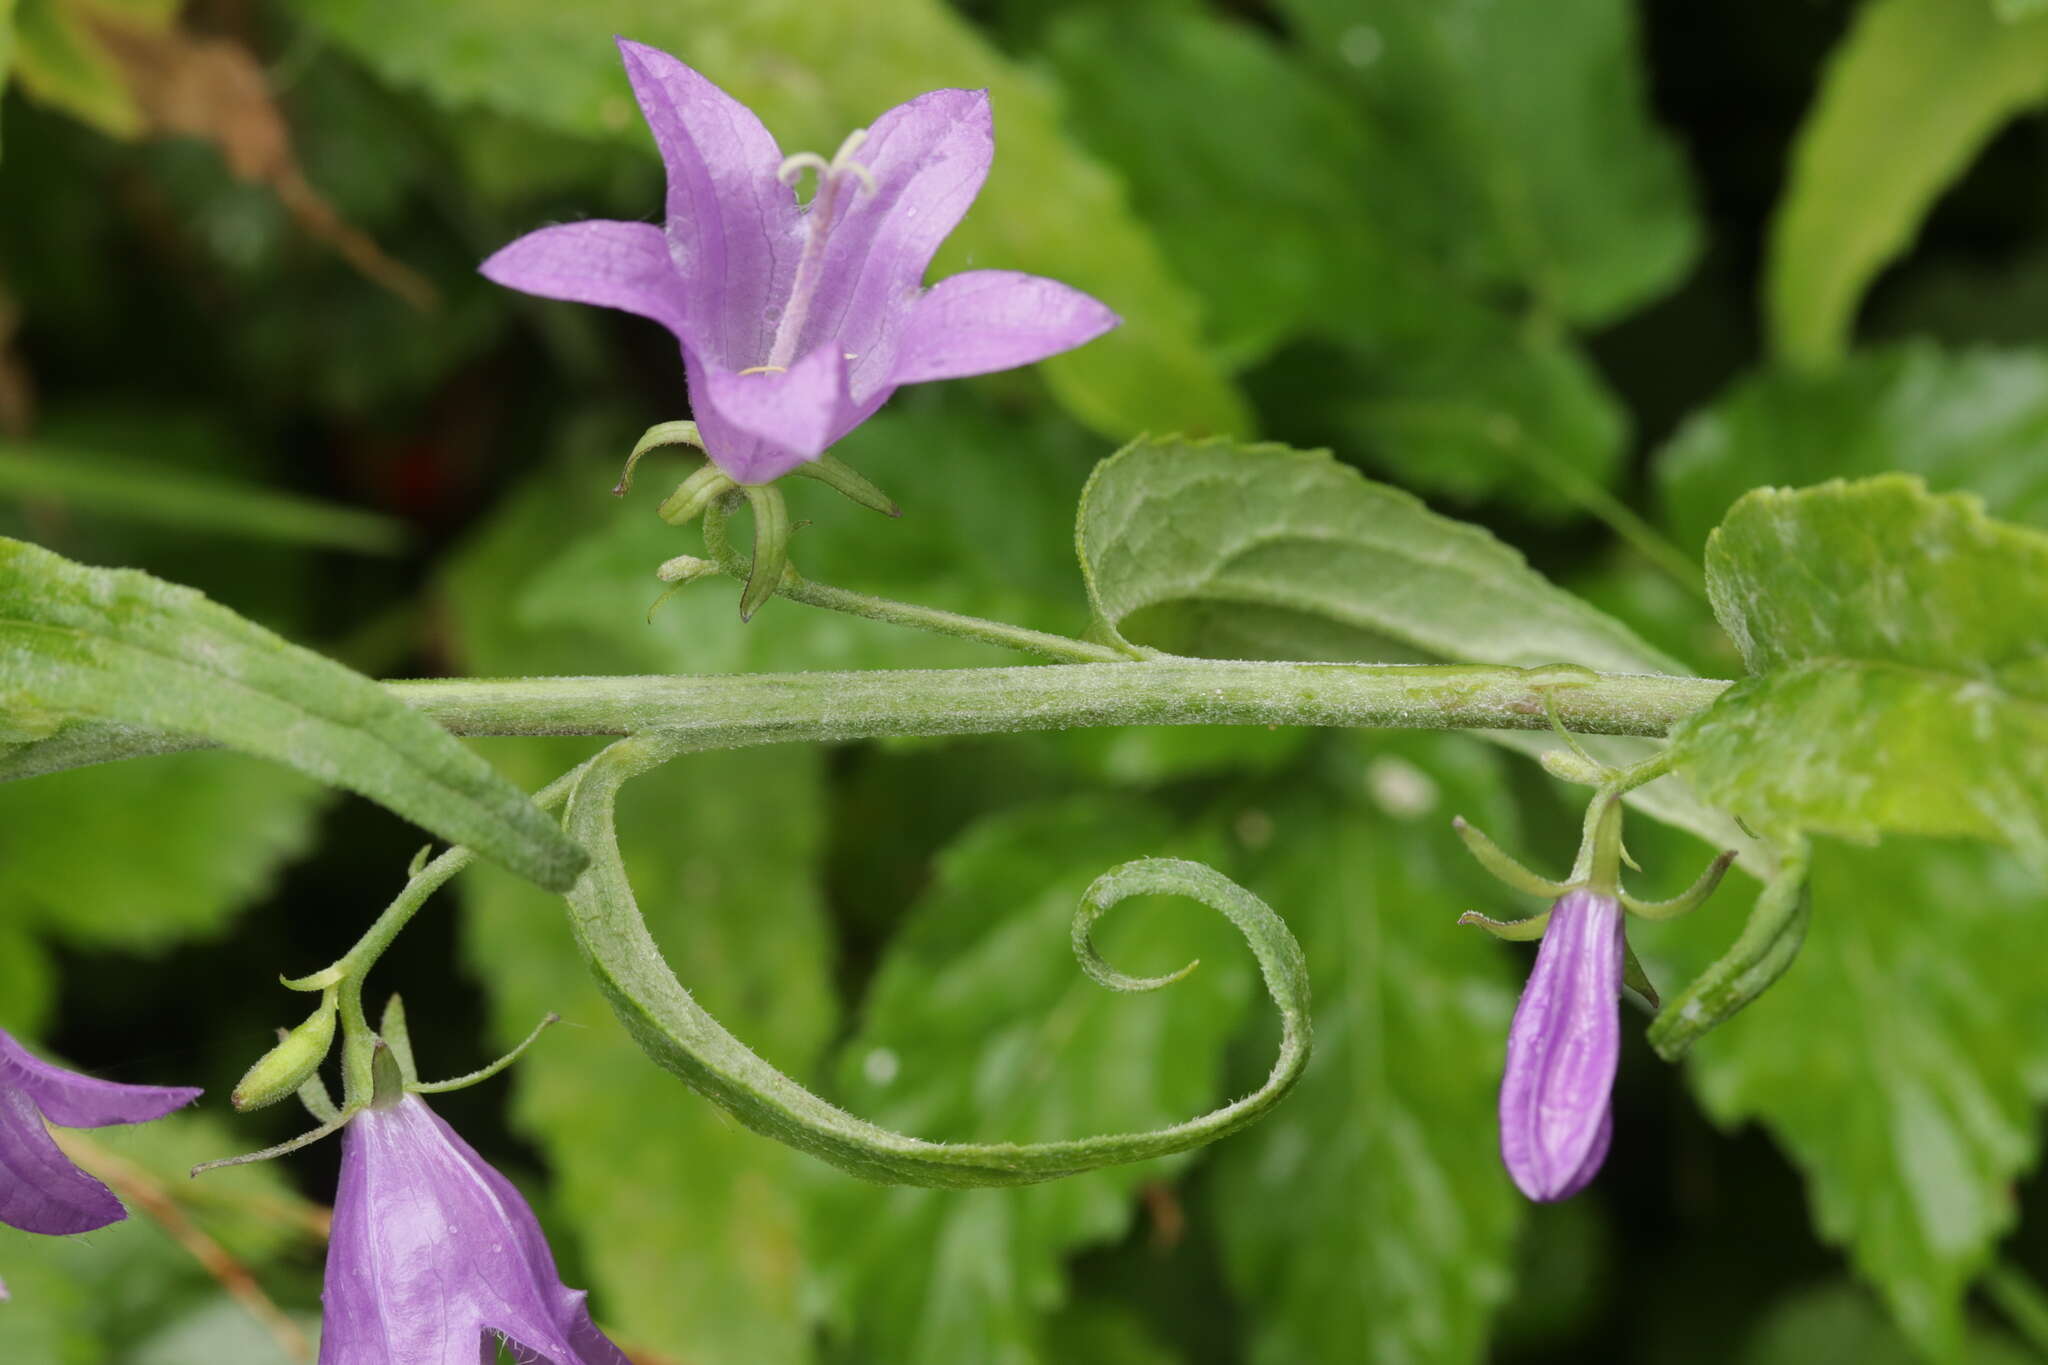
40,1189
797,323
435,1258
1556,1105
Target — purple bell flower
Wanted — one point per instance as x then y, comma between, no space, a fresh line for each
1556,1098
435,1258
798,322
40,1189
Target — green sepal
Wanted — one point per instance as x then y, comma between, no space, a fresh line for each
659,435
836,473
387,1079
771,547
280,1072
391,1028
483,1073
1635,982
1502,865
1526,930
694,494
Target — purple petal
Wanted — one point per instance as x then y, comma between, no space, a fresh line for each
71,1100
40,1190
733,229
434,1255
613,265
928,158
791,416
988,320
1563,1048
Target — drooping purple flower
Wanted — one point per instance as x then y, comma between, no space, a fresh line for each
1556,1098
435,1258
798,322
40,1190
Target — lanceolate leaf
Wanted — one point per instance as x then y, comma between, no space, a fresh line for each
1369,1217
677,1032
1048,208
78,643
1903,666
1916,89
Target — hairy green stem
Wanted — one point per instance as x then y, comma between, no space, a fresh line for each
738,710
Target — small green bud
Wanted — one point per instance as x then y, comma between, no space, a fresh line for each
1568,766
280,1072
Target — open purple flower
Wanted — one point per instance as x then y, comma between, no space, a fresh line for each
1556,1098
798,322
40,1190
435,1258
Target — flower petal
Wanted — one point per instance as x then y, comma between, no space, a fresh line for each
1563,1048
792,415
928,159
733,228
610,264
988,320
434,1254
40,1190
71,1100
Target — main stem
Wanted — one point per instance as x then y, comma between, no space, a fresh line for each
738,710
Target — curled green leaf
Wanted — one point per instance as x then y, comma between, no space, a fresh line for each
675,1031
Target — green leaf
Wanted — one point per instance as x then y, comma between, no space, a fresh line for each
1369,1217
1903,668
1909,97
1198,536
141,855
1968,421
1897,1063
145,490
1518,141
78,643
1236,551
812,72
978,1026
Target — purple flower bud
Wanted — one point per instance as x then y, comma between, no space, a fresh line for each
798,321
40,1190
435,1258
1556,1105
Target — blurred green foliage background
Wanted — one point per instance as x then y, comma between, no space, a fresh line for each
1582,271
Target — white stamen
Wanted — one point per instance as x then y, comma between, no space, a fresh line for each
817,227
